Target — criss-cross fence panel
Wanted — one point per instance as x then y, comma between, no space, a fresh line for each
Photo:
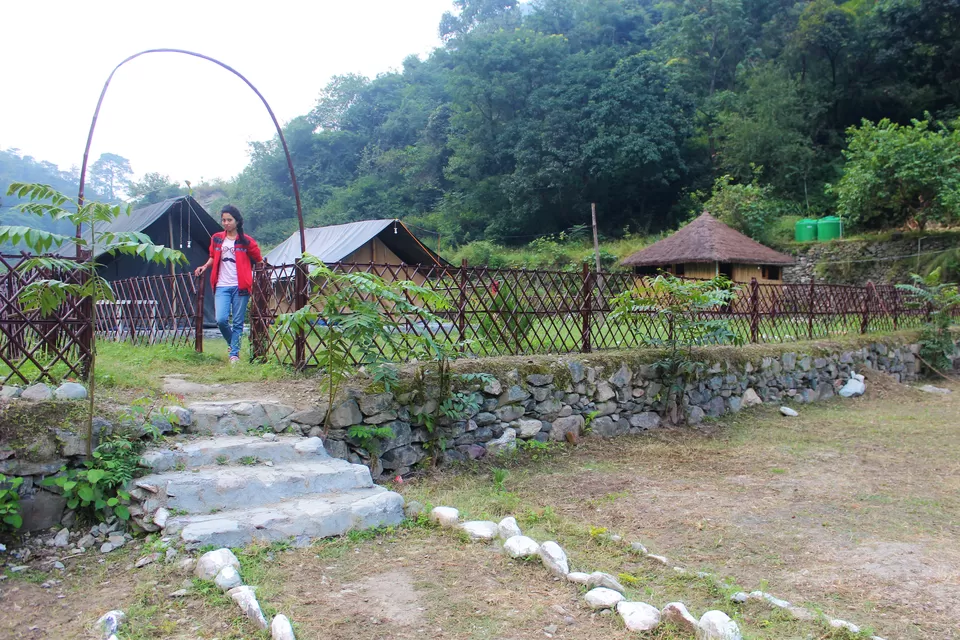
490,312
153,310
486,312
34,346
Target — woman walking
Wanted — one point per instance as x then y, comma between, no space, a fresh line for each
232,256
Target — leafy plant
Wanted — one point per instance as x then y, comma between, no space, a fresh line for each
900,174
71,279
10,502
940,300
248,461
347,314
99,486
692,311
369,436
509,318
499,479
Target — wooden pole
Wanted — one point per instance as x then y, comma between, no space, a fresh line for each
596,239
462,304
586,297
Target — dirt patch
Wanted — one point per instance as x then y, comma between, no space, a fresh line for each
299,393
389,597
854,506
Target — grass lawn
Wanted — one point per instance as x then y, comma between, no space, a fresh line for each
851,509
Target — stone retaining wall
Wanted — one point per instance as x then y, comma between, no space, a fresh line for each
612,394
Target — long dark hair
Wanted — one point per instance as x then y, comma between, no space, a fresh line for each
235,214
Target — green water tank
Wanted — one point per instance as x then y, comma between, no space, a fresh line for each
805,230
829,228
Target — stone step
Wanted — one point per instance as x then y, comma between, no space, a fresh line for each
230,450
220,488
321,516
236,417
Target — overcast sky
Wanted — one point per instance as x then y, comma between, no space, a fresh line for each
175,114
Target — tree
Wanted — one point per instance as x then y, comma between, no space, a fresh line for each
347,314
153,188
900,175
826,28
768,124
687,311
78,279
940,300
109,174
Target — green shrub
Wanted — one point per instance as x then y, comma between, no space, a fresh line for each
10,503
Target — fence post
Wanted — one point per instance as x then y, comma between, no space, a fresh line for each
198,314
586,308
865,322
754,309
896,308
462,304
300,301
810,303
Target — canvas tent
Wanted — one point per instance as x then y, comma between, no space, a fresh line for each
368,241
706,248
179,223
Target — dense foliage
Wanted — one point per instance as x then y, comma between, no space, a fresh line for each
530,112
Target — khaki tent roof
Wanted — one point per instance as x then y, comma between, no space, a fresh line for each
706,239
335,243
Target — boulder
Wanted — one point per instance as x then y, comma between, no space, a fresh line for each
228,578
109,623
346,415
480,530
521,547
37,393
70,391
562,426
210,563
716,625
513,395
373,404
603,598
539,379
445,516
508,528
677,613
554,558
604,392
506,442
645,420
638,616
578,577
600,579
246,599
281,629
622,378
750,398
527,428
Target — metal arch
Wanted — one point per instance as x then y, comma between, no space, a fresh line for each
283,141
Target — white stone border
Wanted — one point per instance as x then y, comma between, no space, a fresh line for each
606,592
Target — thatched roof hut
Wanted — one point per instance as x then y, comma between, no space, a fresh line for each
705,248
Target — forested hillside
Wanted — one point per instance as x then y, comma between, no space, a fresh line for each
530,112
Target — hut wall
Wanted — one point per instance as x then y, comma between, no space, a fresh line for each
700,270
746,272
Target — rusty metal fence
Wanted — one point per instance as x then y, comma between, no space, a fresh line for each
488,312
520,312
34,346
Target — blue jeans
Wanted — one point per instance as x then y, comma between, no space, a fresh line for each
228,302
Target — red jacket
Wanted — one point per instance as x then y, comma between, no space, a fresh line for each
247,254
